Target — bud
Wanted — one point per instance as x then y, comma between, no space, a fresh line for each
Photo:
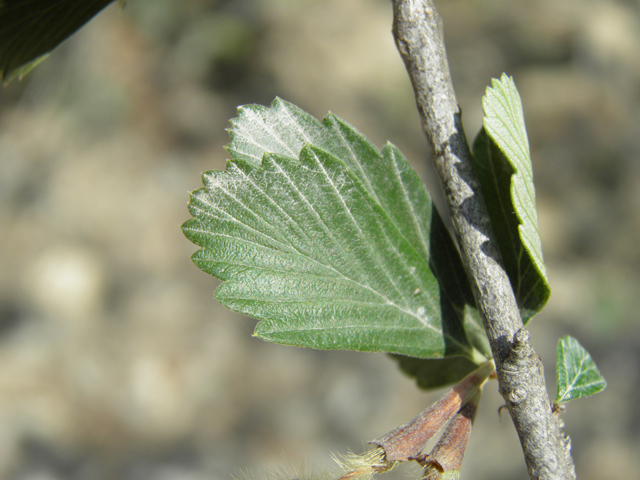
364,465
407,441
445,459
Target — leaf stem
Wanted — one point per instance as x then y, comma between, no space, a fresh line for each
418,33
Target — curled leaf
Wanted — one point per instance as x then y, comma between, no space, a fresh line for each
503,165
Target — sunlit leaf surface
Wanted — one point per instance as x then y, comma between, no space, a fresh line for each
503,165
329,241
576,373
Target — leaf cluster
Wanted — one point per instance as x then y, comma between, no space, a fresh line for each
334,244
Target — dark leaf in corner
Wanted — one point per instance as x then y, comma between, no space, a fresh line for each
31,29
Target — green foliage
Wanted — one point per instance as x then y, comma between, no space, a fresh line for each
330,242
31,29
503,164
576,373
334,244
435,373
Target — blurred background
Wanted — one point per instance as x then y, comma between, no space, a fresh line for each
116,362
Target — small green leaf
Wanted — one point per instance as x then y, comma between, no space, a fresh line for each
330,242
30,29
503,164
576,373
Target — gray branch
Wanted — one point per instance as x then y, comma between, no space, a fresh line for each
417,29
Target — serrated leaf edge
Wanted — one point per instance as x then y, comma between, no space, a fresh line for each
505,93
563,347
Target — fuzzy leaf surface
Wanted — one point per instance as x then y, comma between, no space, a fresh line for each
327,240
503,164
576,373
387,176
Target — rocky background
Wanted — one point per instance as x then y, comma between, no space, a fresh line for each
116,362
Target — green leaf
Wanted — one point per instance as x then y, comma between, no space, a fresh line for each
503,164
474,329
283,128
30,29
576,373
304,248
327,240
435,373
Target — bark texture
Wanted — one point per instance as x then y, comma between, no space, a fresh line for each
417,29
